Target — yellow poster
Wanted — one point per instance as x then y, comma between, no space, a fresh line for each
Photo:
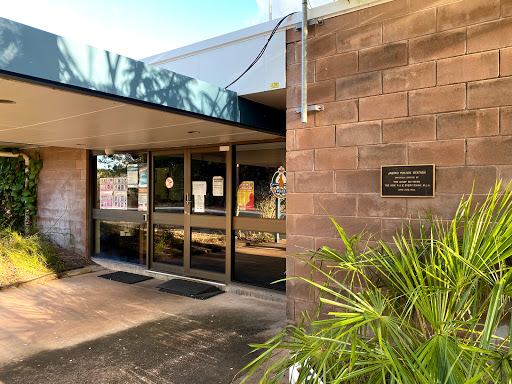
245,196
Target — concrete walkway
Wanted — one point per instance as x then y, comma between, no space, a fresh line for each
87,329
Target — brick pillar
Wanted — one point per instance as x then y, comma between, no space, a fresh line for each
405,82
63,205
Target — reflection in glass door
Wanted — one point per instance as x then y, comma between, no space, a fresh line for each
168,198
168,244
169,183
208,245
260,227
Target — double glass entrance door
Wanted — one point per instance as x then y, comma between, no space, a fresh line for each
189,211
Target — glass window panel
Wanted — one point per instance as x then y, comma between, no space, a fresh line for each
209,168
208,249
256,165
168,244
260,259
169,184
121,182
121,241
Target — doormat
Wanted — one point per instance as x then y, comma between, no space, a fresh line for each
200,291
125,277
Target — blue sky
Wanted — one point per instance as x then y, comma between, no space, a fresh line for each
133,28
141,28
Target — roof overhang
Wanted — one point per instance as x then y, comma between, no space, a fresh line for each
73,95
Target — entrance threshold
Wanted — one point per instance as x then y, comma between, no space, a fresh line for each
166,275
236,288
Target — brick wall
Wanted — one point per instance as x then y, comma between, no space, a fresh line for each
62,197
406,82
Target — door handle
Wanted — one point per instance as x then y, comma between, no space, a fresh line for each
187,200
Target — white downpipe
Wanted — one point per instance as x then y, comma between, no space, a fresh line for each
27,163
304,106
25,157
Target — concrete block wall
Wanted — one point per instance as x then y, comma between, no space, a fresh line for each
63,197
406,82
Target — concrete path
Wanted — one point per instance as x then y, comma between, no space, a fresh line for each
87,329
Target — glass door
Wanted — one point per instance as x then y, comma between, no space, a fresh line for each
119,207
208,213
169,209
189,213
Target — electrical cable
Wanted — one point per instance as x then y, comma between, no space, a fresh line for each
262,50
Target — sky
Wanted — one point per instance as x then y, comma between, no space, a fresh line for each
142,28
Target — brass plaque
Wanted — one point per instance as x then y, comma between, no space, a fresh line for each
408,180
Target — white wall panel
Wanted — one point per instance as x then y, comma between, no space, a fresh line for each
223,64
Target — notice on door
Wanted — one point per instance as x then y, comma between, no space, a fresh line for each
245,196
143,175
106,199
198,203
199,188
218,186
114,193
120,200
133,175
106,193
143,199
199,192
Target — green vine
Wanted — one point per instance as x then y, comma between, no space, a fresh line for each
18,191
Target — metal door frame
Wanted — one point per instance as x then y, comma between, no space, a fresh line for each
231,224
189,220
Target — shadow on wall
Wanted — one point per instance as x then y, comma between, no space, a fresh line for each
31,52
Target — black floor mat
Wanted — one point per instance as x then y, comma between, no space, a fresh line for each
188,288
125,277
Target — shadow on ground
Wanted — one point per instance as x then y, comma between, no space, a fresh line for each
200,342
172,350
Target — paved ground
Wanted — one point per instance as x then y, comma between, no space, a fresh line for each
86,329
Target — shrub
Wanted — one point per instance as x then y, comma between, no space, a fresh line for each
25,256
18,191
431,307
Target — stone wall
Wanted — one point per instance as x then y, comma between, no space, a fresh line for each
62,197
406,82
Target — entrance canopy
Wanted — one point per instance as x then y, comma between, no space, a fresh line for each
57,92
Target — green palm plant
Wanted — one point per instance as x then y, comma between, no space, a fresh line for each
433,306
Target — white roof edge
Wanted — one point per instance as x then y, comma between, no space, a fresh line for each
326,11
229,38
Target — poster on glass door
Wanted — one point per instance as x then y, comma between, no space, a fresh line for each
143,199
199,192
218,186
106,193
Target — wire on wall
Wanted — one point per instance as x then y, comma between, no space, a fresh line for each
262,50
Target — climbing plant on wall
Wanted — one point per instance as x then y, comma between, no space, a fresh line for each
18,191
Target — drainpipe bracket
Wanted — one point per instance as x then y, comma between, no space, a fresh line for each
314,107
298,26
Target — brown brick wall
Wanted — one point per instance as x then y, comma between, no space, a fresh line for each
415,82
62,197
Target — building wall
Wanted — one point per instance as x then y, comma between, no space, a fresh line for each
406,82
62,197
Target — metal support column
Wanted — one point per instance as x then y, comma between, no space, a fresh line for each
304,96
